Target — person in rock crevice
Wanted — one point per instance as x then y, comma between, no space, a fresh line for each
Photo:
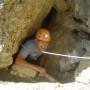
30,53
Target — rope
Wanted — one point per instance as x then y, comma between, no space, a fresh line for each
58,54
52,79
63,55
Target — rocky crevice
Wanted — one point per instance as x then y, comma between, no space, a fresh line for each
68,22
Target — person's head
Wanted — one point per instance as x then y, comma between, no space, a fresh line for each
43,38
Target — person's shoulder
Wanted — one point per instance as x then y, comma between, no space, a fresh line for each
31,41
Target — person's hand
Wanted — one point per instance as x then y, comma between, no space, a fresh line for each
41,71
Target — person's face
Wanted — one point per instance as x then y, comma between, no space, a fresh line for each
42,45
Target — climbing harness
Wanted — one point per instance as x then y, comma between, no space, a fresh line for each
63,55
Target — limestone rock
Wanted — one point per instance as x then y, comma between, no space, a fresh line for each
5,60
23,71
18,19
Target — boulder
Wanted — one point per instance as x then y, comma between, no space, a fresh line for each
22,71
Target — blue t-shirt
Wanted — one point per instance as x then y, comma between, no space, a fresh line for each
30,48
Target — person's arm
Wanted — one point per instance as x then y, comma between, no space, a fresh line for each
21,61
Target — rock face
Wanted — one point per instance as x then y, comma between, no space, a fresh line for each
68,24
70,37
18,19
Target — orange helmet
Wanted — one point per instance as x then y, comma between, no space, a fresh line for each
43,35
